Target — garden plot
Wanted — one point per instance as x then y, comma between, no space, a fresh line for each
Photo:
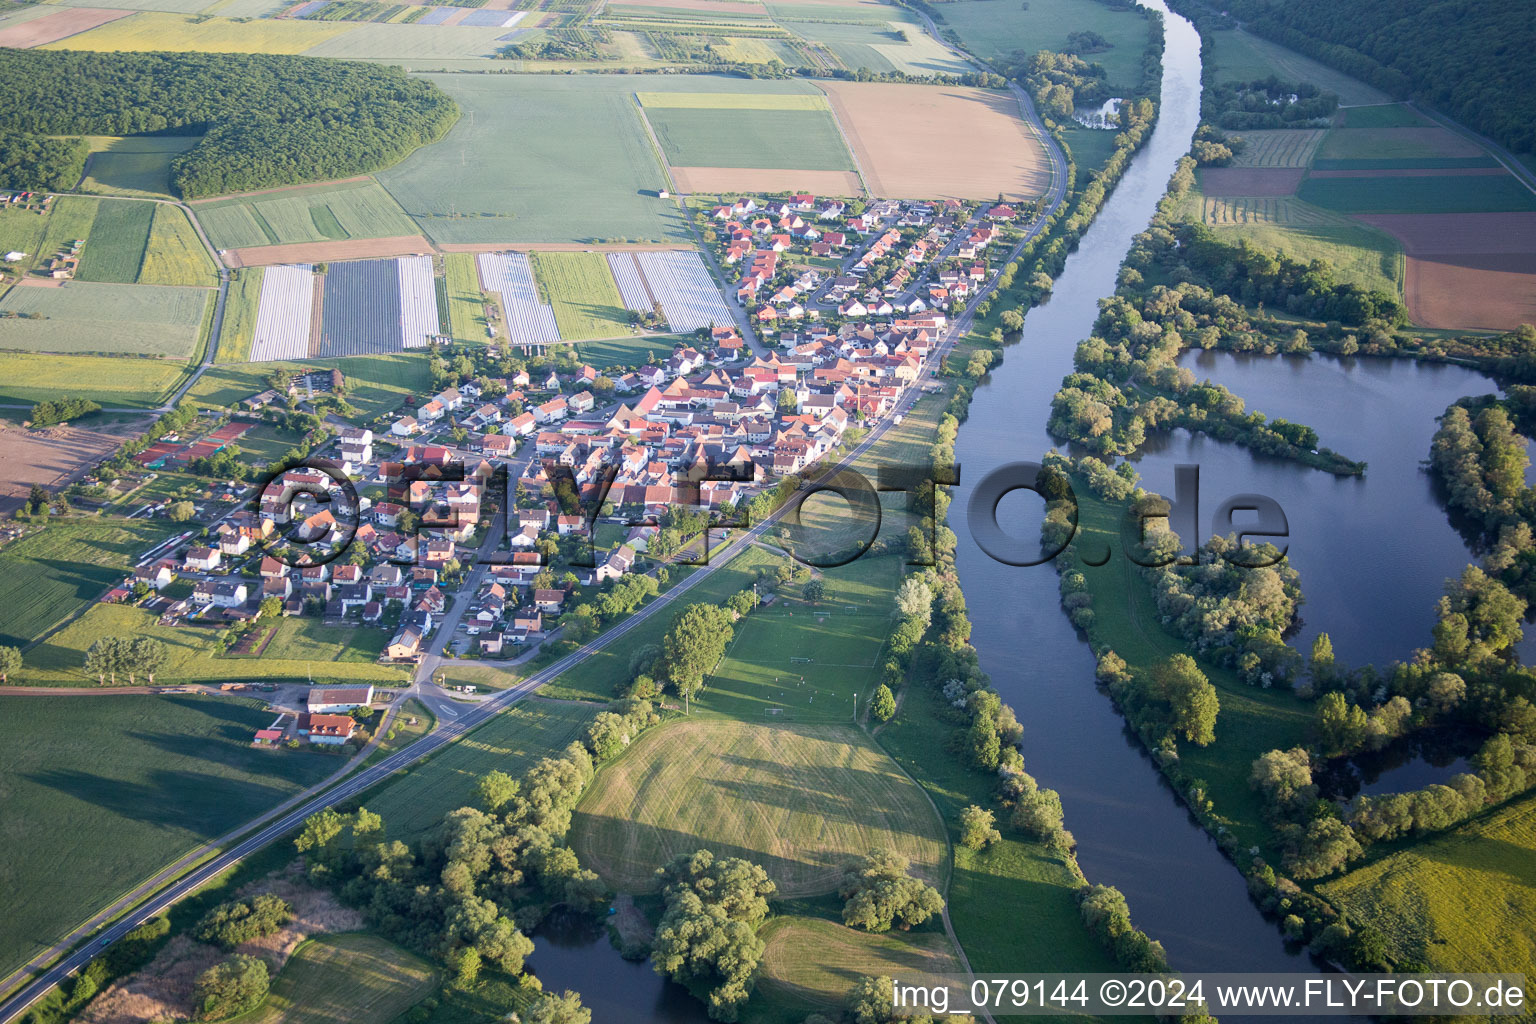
361,309
284,313
682,285
510,275
419,322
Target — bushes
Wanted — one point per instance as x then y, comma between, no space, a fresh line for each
708,933
50,413
230,988
229,924
878,893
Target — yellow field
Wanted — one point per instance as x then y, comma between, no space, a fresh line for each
153,30
33,376
1464,901
175,255
730,100
812,963
747,51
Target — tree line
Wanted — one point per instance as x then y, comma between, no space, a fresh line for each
265,120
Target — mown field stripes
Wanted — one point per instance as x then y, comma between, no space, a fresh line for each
419,320
362,309
510,274
626,273
283,313
681,283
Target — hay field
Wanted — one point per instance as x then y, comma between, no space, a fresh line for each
83,316
340,979
813,963
797,799
332,213
177,33
27,377
1461,901
174,254
955,142
1280,147
135,167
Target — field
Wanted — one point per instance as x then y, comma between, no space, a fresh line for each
895,44
174,254
179,33
54,455
361,314
375,384
340,979
117,239
466,302
1238,56
1282,147
722,180
86,317
1396,142
955,142
284,318
240,316
684,289
797,799
558,184
1461,901
158,774
1250,181
634,351
529,319
413,801
991,29
581,290
813,963
1438,194
113,381
329,213
139,166
383,42
715,137
53,26
326,252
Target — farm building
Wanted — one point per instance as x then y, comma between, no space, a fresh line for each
332,730
338,699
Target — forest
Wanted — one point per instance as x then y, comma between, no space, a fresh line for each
264,120
1461,58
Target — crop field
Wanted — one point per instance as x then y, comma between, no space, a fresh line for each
361,309
466,303
174,254
1250,181
83,316
284,313
1282,147
27,377
1461,901
160,775
557,184
419,322
354,209
812,963
116,241
55,456
582,292
1440,194
178,33
340,979
797,799
731,101
412,802
955,142
1395,143
52,26
990,29
625,270
59,571
894,44
176,6
139,167
750,138
683,286
529,319
1240,56
384,42
1467,270
1363,255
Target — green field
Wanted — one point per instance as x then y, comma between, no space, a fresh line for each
23,231
357,209
159,775
1282,147
375,384
466,302
558,184
383,42
812,963
730,101
111,380
1237,56
303,648
1385,115
1464,900
65,567
991,29
634,351
796,798
413,802
84,316
1449,194
581,289
240,316
115,246
1396,143
174,254
345,979
751,138
137,166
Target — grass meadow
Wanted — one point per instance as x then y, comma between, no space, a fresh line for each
633,351
466,302
70,563
1430,194
27,377
158,774
375,384
585,298
810,962
135,167
717,137
339,979
413,801
1238,56
240,316
354,209
84,316
990,29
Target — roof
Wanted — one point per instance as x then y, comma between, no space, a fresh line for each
341,695
328,725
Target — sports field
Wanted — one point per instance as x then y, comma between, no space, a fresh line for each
179,33
174,254
82,316
1461,901
414,801
355,209
118,235
813,963
138,166
27,377
157,774
59,571
796,798
341,979
581,289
